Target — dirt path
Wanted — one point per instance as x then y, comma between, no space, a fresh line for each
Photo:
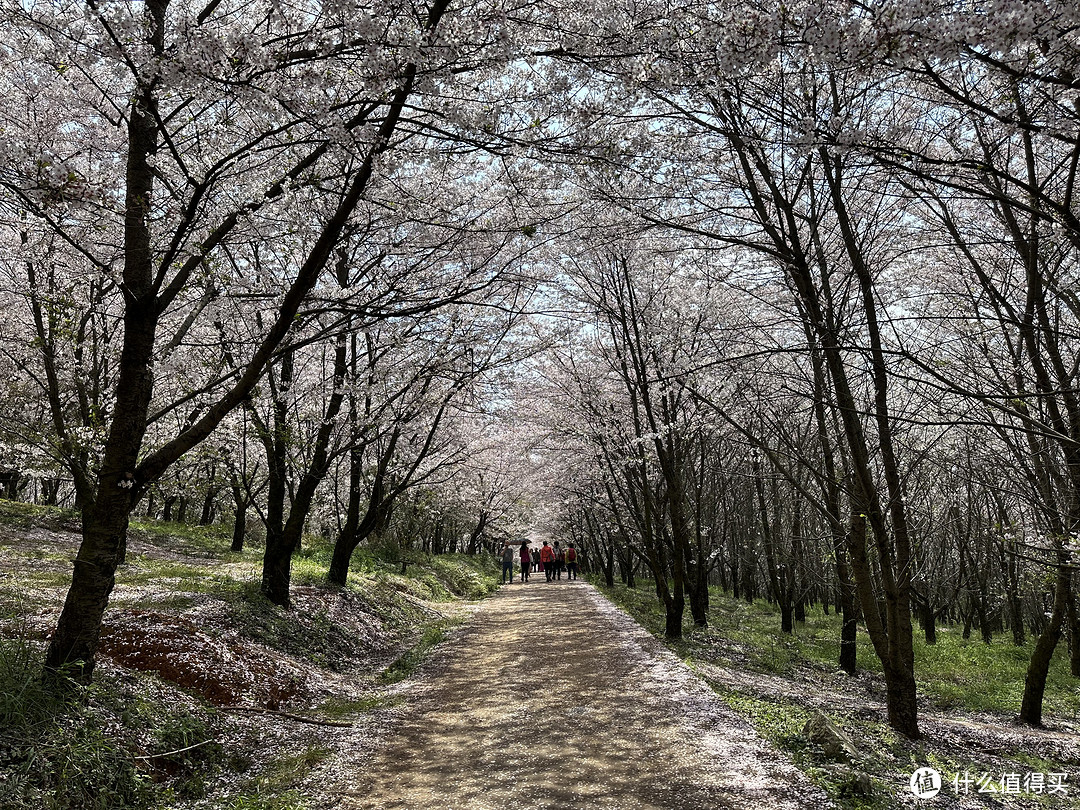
611,720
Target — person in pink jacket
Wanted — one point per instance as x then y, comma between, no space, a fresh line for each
526,560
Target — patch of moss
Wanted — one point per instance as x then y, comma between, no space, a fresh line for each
290,800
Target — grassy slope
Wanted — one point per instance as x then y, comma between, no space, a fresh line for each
957,678
108,746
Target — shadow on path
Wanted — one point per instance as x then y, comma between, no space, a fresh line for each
552,698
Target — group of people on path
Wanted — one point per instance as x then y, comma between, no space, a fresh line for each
551,560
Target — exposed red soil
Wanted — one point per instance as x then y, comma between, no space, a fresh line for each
227,672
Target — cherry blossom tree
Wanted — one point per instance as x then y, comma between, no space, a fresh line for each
178,149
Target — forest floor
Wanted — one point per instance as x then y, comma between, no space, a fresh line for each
540,696
969,693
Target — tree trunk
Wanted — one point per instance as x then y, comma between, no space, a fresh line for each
50,489
626,562
673,614
848,637
277,555
1014,598
239,528
277,566
609,564
787,615
377,514
1073,620
474,537
699,594
105,519
1039,665
207,516
436,539
929,622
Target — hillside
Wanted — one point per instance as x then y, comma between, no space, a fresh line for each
206,695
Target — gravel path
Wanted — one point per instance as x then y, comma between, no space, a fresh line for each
552,698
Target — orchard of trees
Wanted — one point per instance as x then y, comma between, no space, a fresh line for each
780,299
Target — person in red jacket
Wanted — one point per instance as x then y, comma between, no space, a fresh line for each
547,559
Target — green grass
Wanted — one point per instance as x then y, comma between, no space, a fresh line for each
434,634
335,708
956,674
68,747
47,579
969,674
210,541
143,570
289,800
287,772
779,720
277,786
19,515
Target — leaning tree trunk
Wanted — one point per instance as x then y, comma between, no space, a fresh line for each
474,536
379,502
1039,665
105,518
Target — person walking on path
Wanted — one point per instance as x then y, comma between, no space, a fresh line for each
526,561
560,560
507,562
571,562
547,561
